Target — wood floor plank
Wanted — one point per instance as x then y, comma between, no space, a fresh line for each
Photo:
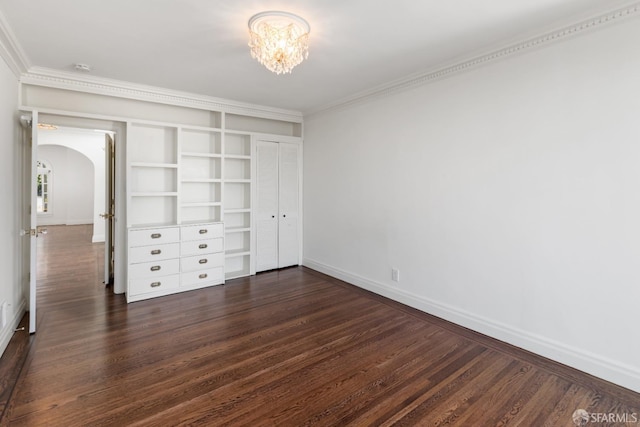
291,347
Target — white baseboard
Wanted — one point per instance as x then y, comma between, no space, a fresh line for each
8,331
594,364
97,238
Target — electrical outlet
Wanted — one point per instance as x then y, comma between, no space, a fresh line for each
395,274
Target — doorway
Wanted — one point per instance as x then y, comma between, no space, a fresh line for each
113,161
75,185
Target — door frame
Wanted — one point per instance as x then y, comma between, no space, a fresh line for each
110,208
118,128
255,137
30,227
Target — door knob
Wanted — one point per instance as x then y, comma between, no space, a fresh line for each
33,231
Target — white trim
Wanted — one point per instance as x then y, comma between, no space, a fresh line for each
10,50
9,329
98,238
39,76
602,367
472,62
272,137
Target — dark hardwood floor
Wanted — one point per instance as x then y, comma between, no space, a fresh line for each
288,348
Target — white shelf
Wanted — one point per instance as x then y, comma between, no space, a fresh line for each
153,165
193,154
237,181
201,181
197,215
237,229
235,168
154,194
201,128
237,265
201,169
237,156
200,174
199,204
232,211
238,253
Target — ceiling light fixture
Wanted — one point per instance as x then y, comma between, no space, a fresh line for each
279,40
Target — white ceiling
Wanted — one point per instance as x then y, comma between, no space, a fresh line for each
200,46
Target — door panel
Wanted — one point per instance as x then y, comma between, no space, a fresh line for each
288,248
288,179
110,209
288,242
33,219
266,210
266,245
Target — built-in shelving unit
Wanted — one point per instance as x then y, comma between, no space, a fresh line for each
152,177
237,204
200,175
180,175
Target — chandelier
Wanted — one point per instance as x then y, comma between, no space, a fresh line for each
279,40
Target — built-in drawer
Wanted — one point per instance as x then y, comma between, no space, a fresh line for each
195,247
209,276
153,253
153,236
201,262
202,231
153,284
154,269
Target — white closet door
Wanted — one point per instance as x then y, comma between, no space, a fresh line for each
266,209
288,248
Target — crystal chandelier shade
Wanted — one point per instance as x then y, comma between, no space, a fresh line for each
279,40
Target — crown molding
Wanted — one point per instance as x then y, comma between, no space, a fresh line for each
10,50
38,76
468,64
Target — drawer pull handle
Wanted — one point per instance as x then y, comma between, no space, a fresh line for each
155,268
203,276
203,261
156,235
156,284
203,231
156,252
203,246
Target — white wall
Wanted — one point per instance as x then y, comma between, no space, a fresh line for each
72,188
508,197
91,145
11,289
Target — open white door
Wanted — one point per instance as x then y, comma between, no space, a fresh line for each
110,209
33,227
